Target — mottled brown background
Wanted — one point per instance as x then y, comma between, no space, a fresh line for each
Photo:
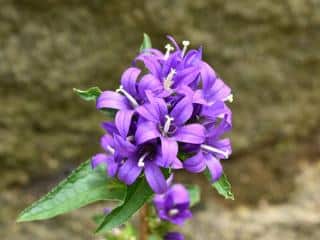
268,51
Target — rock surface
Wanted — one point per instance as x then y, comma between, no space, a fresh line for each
267,51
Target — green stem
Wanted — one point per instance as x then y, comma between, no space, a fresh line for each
144,228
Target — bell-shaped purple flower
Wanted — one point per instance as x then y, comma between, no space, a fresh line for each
209,153
168,125
173,206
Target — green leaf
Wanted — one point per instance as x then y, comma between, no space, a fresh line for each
194,194
137,195
222,186
82,187
146,42
90,94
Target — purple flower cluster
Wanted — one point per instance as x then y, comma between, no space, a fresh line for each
175,107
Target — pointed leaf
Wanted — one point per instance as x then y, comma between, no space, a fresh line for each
194,194
222,186
137,195
82,187
90,94
146,42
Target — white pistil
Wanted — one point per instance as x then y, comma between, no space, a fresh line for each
141,160
214,150
169,48
168,80
128,96
110,149
173,211
167,124
229,98
185,44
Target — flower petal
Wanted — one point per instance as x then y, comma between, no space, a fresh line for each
218,92
180,218
123,147
146,131
198,97
106,142
159,201
110,99
149,82
169,149
151,63
177,164
173,41
179,194
155,178
208,75
110,127
186,76
129,171
214,167
129,80
153,111
196,163
215,132
223,145
112,167
123,121
215,110
98,159
191,133
193,57
182,111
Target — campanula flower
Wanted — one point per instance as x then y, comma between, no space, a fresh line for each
173,205
128,160
168,125
209,153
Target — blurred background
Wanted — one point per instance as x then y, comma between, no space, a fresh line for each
268,51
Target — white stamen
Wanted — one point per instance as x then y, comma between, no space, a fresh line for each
141,160
173,211
167,124
215,150
185,44
130,138
169,49
128,96
229,98
110,149
168,80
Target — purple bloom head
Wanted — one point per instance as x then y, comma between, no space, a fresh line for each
177,104
173,236
173,205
